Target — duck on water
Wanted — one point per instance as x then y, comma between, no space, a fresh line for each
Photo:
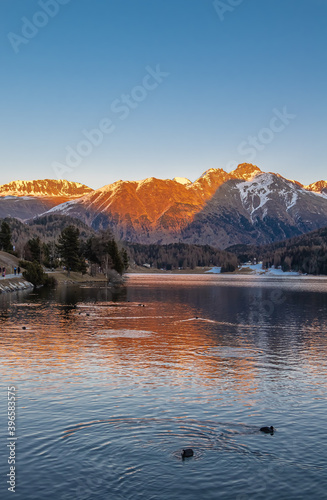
188,452
268,430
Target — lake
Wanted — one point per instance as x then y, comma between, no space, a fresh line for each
111,386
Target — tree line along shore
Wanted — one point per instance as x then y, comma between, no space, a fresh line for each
81,250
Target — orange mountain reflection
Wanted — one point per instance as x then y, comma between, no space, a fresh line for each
93,339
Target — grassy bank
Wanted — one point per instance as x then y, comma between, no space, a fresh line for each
76,278
8,261
154,270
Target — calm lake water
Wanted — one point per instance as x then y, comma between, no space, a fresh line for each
111,387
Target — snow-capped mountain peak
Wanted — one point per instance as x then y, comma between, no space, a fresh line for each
245,171
319,187
182,180
45,188
265,187
219,208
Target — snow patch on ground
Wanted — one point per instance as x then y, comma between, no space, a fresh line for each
257,269
280,272
214,270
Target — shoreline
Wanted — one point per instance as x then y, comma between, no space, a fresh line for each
244,271
78,279
235,275
14,285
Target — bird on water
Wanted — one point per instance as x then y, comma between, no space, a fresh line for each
188,452
268,430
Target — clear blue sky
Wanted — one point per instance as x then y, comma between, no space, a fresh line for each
229,69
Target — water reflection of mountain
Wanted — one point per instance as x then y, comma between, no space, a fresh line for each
225,335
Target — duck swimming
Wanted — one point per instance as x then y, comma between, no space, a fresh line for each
268,430
188,452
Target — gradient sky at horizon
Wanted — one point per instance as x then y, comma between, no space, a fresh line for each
229,71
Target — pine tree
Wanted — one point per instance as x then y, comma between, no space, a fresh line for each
82,265
103,250
124,257
69,248
33,250
117,261
5,237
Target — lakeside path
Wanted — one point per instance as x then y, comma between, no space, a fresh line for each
10,276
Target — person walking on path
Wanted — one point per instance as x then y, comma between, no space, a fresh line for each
15,271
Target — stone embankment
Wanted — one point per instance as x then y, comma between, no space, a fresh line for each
14,285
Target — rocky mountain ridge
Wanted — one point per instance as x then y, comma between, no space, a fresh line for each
26,199
45,188
219,208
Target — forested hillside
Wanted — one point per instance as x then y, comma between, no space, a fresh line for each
180,255
47,228
306,253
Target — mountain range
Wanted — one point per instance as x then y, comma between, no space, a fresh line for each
245,206
26,199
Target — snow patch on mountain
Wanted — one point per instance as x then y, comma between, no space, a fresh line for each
290,198
182,180
323,194
255,193
246,171
114,186
209,171
63,208
319,188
